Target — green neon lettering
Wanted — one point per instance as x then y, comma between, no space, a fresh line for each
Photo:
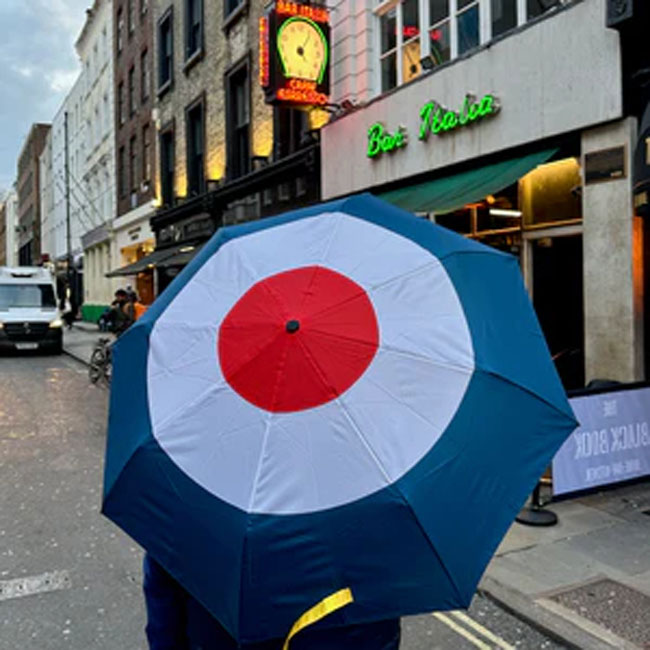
436,125
485,107
425,116
375,133
450,121
463,117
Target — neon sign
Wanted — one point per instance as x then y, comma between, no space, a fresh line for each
380,141
294,52
437,119
434,118
264,51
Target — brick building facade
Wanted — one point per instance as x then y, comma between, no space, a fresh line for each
29,205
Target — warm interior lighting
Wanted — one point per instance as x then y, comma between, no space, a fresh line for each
263,138
186,249
498,212
548,193
490,199
318,118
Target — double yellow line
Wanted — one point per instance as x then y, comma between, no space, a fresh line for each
454,618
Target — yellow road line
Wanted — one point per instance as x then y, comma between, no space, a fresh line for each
483,630
462,631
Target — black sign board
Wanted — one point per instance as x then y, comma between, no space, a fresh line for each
605,165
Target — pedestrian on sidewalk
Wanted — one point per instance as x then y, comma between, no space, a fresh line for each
177,621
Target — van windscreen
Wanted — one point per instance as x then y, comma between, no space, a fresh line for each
26,295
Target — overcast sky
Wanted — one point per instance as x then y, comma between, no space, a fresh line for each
38,65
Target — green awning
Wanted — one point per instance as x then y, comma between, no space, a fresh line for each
452,192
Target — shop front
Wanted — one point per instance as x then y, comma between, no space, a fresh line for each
516,147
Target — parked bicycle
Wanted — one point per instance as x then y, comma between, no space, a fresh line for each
101,362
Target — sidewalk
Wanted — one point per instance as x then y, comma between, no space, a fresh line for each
585,580
81,339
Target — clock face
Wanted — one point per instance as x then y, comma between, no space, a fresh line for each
303,49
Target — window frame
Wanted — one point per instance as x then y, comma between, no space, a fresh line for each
119,31
425,26
121,172
145,76
146,153
232,165
121,116
165,85
197,50
133,104
231,15
167,189
197,185
133,164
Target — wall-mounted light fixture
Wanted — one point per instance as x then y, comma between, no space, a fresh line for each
498,212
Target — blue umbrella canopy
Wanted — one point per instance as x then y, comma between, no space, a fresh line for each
344,396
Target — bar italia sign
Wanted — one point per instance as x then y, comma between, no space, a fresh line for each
434,118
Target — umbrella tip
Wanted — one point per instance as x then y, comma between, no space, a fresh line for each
292,326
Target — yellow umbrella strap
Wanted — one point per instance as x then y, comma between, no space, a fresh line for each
320,610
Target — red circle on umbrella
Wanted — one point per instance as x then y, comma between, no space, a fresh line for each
298,339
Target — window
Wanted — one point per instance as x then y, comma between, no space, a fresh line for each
539,7
454,27
231,5
146,153
238,117
195,148
133,164
144,6
130,7
145,80
504,16
120,30
290,127
439,31
167,163
467,25
120,103
107,116
132,103
121,172
193,27
166,52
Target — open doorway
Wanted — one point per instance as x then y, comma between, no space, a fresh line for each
558,300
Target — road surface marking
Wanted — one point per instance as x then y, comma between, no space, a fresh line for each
483,631
18,587
462,631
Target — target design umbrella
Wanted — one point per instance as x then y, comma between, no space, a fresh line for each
342,396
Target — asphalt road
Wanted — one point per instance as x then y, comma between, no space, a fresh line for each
68,577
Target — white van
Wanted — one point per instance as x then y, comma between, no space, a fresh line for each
29,318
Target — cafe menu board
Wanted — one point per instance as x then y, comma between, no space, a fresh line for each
612,443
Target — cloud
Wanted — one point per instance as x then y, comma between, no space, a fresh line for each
38,65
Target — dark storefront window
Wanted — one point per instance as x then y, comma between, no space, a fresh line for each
195,149
238,100
290,130
167,163
166,50
193,27
504,16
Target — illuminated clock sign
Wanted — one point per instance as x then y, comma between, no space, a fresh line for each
294,52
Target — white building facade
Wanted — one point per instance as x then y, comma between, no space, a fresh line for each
505,123
46,198
97,155
11,220
83,215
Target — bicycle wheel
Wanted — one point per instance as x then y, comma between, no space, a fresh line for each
97,364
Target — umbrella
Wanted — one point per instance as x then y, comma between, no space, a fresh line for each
344,396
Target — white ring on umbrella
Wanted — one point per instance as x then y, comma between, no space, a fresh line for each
319,458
